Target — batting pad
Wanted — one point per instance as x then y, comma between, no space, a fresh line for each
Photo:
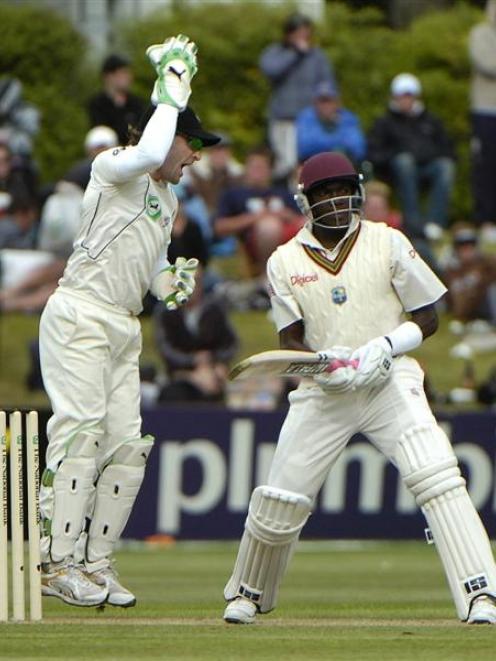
274,522
116,491
429,467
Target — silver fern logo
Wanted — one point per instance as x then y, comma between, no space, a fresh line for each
153,208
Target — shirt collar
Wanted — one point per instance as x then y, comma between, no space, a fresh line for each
306,237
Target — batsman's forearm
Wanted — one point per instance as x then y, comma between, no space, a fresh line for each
292,336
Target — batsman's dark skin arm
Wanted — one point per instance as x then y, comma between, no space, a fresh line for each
292,336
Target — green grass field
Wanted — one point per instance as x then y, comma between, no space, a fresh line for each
340,601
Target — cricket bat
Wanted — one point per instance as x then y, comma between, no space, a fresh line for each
286,363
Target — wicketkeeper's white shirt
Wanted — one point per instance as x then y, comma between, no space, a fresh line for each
359,290
126,221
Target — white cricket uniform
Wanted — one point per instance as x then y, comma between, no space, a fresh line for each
348,296
356,292
90,337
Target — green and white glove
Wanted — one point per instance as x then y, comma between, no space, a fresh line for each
175,64
175,284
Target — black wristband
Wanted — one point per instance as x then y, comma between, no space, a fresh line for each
389,341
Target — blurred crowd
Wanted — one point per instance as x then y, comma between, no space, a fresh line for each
234,212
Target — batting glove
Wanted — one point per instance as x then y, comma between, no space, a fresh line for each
341,372
174,285
340,379
375,363
175,64
336,353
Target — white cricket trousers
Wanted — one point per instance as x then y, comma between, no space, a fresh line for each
89,357
318,426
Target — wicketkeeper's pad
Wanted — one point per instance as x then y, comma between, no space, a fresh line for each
65,496
116,491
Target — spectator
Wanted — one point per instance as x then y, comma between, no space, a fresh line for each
216,172
196,343
59,225
261,215
409,146
187,239
194,206
470,278
5,201
97,140
115,106
482,52
377,204
15,179
293,68
327,126
18,228
210,177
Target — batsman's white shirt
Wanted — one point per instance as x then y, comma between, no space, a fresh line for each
347,296
356,292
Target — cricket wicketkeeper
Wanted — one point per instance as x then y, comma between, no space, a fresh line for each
90,338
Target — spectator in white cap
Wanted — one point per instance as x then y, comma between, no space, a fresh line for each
97,139
325,125
409,147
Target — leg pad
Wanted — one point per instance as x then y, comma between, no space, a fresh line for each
429,468
116,493
73,487
274,522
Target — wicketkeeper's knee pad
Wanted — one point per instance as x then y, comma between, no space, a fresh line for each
430,470
273,525
116,491
65,495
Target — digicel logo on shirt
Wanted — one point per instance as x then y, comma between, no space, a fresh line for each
304,279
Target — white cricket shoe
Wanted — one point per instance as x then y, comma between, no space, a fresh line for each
240,611
68,582
483,611
103,573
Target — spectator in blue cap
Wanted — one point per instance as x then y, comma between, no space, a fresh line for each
327,126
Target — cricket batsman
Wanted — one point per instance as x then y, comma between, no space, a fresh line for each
356,290
90,338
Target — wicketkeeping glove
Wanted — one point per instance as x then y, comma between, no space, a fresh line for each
375,363
175,64
175,284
